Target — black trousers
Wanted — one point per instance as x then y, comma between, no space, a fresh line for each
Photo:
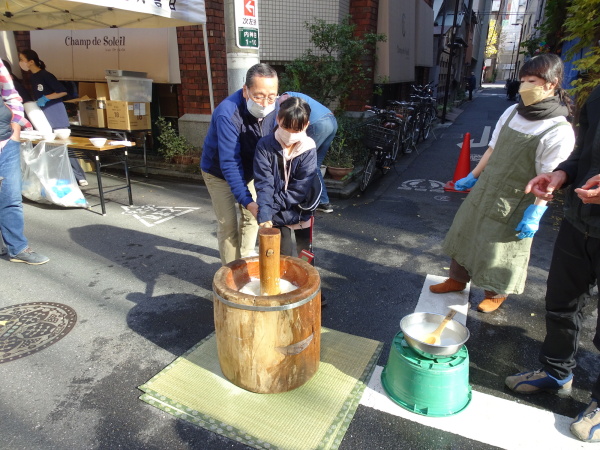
574,270
287,243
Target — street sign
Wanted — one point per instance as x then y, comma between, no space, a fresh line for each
246,23
247,37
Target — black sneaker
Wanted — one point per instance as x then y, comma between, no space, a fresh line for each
3,251
325,207
28,256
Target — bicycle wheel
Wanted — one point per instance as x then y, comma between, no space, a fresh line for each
407,136
368,171
427,124
385,162
416,129
396,147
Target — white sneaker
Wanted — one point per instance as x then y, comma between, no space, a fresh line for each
82,182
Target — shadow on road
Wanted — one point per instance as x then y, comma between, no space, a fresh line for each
174,321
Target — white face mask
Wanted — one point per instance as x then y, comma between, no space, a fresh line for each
288,139
259,111
24,66
532,93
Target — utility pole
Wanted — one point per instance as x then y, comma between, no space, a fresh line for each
484,26
450,57
241,40
517,62
512,57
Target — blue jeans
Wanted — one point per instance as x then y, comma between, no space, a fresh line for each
12,222
77,170
322,132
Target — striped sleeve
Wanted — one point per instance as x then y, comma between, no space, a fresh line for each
12,98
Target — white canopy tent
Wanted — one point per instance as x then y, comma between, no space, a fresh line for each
92,14
22,15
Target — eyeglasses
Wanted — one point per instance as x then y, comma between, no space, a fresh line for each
261,98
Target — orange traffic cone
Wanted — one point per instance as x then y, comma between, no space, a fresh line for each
463,167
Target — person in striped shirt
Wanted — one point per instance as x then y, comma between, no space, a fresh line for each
12,221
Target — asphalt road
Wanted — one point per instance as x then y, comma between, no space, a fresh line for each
140,281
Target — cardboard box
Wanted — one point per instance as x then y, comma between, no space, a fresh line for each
87,166
128,115
92,104
98,91
92,113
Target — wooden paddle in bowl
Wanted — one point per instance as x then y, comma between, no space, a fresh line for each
434,338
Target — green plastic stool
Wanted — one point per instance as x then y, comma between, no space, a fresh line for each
430,387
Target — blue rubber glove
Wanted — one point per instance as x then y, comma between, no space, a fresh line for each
465,183
531,221
41,102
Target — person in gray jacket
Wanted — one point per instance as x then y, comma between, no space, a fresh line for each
574,270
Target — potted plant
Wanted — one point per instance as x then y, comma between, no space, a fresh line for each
339,159
345,149
173,147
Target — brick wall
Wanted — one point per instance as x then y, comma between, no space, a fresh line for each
193,92
364,15
22,40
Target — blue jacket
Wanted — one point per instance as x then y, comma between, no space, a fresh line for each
317,110
228,151
275,203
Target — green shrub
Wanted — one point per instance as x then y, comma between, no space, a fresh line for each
347,147
171,143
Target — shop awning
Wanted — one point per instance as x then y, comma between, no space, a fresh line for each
19,15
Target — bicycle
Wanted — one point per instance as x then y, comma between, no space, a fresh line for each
426,109
409,135
382,137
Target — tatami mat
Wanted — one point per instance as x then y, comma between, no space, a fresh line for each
313,416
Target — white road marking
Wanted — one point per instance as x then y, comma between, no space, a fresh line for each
422,185
151,215
488,419
485,138
439,304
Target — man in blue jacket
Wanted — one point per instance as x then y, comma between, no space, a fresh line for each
228,157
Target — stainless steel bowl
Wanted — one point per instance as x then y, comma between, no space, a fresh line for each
418,325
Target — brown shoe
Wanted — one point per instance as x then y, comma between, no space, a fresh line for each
489,305
449,285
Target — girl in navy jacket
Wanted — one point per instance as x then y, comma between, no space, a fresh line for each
285,165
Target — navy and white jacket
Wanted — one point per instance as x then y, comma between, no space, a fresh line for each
275,202
228,151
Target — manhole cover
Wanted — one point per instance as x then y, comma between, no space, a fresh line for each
30,327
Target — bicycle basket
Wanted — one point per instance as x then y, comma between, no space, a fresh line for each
377,136
405,109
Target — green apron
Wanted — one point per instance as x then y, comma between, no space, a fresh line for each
482,237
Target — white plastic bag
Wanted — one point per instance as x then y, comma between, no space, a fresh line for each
48,176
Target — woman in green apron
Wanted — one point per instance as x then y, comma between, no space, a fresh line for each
490,238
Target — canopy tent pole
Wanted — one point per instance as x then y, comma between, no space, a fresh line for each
208,71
